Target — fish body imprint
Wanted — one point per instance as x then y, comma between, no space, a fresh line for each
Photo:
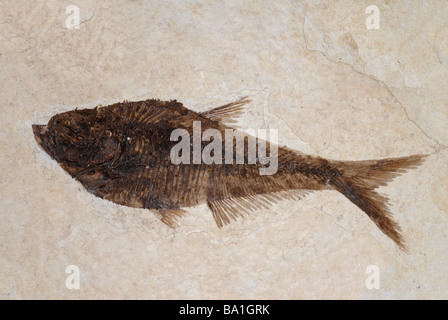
123,153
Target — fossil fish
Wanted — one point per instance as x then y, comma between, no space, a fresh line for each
121,153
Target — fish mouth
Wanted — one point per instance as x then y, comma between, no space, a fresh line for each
40,134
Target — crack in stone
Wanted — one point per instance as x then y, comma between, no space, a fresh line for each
284,122
440,145
88,19
332,218
244,236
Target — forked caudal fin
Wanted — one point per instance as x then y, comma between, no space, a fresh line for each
359,179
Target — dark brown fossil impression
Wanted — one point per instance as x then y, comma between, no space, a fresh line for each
123,153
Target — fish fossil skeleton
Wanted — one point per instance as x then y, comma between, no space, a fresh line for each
121,153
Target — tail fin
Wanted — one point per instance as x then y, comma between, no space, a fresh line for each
358,181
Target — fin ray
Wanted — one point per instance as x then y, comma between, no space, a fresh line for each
170,216
228,112
359,179
226,210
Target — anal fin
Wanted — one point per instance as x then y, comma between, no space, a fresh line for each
225,210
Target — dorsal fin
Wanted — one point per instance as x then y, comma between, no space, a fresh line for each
228,112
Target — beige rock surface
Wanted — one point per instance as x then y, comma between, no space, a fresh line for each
314,72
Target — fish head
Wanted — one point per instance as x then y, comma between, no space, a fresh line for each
77,139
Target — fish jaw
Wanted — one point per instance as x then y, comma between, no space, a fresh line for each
40,134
